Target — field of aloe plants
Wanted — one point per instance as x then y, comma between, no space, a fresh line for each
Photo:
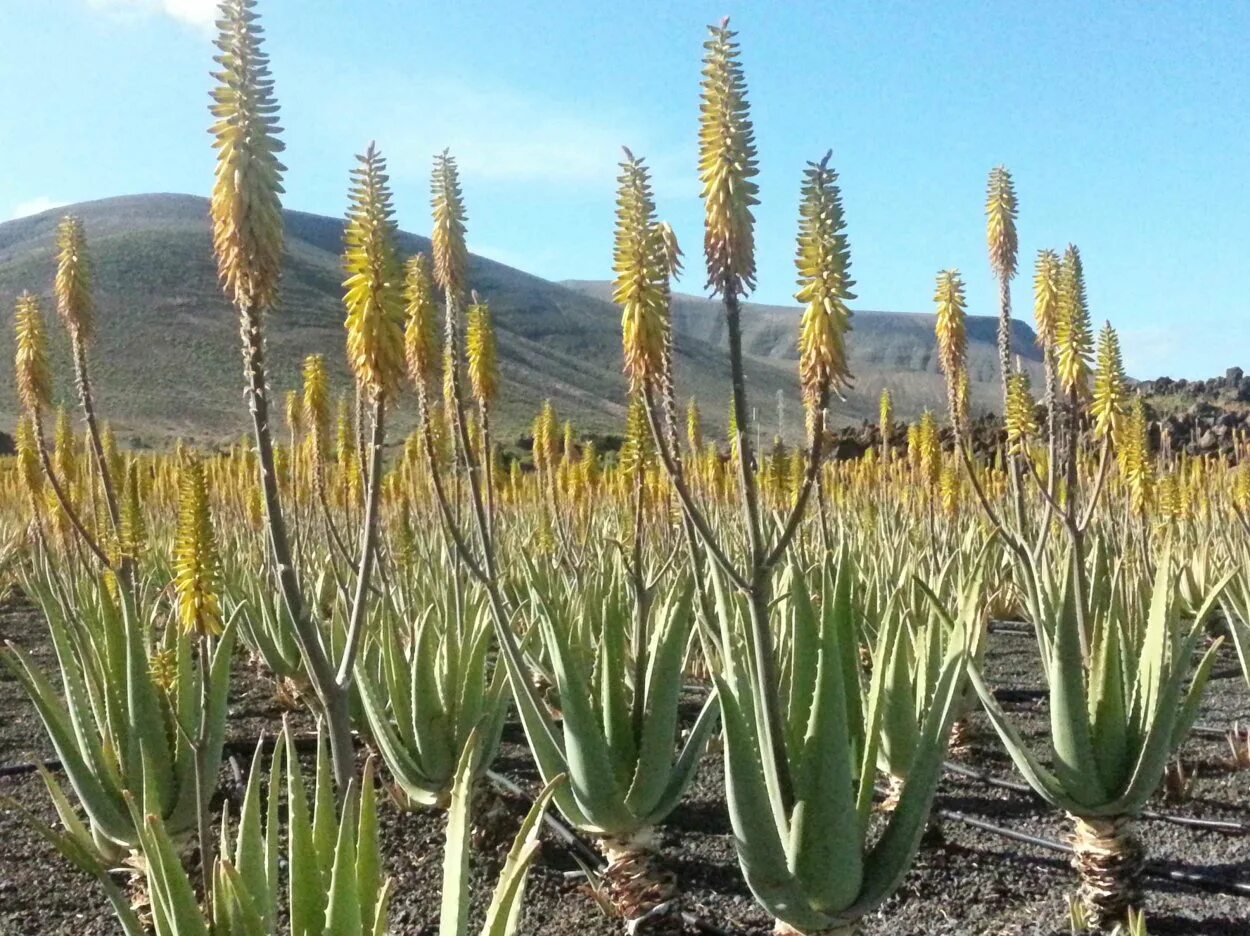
333,682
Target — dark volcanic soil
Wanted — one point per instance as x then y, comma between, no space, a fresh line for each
964,881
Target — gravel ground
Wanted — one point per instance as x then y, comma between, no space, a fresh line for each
965,881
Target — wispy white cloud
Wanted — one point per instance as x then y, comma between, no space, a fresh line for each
198,13
34,206
502,135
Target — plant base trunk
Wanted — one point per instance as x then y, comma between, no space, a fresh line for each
1109,860
962,735
635,887
894,791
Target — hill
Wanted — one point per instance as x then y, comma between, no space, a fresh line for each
885,349
166,357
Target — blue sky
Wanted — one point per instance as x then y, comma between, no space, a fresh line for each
1126,126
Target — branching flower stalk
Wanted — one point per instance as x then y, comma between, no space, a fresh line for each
246,216
75,307
375,349
1001,209
197,604
34,392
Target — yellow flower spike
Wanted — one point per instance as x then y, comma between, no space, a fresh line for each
727,165
1241,487
163,668
823,260
28,466
952,341
1046,283
885,420
797,471
949,488
664,243
134,533
545,445
294,412
929,444
1020,419
73,278
694,427
1074,340
316,404
951,328
914,440
33,376
591,470
1000,223
451,256
245,207
1110,386
420,333
344,442
197,565
373,291
1133,456
482,355
641,263
65,448
637,452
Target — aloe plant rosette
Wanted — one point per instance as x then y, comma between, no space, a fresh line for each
809,862
1117,716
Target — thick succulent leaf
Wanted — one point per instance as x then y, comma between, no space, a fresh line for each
1108,708
307,888
325,824
82,855
803,657
892,854
758,840
1075,766
403,767
1044,783
234,909
250,860
654,769
273,857
453,917
825,849
431,731
65,811
591,776
343,906
103,808
841,610
687,764
900,697
614,700
1193,698
168,883
539,730
368,854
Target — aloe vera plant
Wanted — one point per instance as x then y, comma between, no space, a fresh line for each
912,651
810,863
1117,716
618,737
426,692
332,864
321,876
138,713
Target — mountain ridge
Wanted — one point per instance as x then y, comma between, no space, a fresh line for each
166,361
